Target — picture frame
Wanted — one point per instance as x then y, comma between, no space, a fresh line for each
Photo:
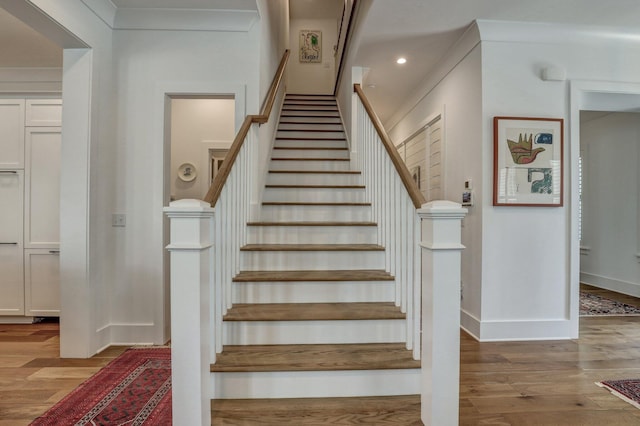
528,168
415,175
310,47
187,172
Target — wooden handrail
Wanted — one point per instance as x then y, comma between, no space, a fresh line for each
221,178
414,192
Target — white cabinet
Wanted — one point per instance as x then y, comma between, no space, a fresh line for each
11,247
42,187
11,134
42,282
43,112
30,144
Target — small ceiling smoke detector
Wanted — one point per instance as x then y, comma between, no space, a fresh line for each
401,61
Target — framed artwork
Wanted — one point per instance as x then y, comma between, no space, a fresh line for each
187,172
310,46
528,161
415,174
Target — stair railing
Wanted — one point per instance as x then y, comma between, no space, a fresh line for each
422,244
394,197
206,237
231,194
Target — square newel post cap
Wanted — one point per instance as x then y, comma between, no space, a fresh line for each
442,209
180,207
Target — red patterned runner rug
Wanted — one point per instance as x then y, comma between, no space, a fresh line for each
627,390
133,389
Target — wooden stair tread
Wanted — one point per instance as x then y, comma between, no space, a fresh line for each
327,275
282,203
312,224
329,357
314,123
309,130
311,148
379,410
313,311
324,172
317,186
308,138
309,159
312,247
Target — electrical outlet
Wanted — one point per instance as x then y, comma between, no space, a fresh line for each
119,220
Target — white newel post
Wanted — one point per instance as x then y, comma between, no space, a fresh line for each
190,247
441,250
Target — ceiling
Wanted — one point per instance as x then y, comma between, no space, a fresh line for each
420,30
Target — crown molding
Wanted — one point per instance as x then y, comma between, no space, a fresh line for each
553,33
185,19
103,9
172,19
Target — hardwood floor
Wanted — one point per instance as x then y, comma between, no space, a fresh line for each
507,383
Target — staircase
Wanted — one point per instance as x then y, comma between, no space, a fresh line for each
314,312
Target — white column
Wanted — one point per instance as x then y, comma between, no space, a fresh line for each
441,223
191,254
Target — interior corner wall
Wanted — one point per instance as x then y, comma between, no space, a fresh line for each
610,202
459,97
526,288
313,78
87,180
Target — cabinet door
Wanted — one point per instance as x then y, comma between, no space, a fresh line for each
43,112
11,133
42,203
42,282
11,248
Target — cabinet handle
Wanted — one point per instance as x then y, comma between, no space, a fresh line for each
54,251
8,171
9,244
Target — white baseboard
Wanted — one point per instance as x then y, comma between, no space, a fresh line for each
499,331
470,324
126,334
16,320
624,287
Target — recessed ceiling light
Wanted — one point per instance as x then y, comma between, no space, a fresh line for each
401,61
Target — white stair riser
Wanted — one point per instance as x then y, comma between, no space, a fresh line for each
311,153
307,135
318,119
312,127
319,195
315,384
271,213
313,332
309,107
309,113
314,292
320,143
310,260
323,165
312,234
300,96
314,179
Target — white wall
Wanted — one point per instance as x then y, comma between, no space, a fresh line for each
458,97
516,271
86,262
150,65
610,146
198,125
313,78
